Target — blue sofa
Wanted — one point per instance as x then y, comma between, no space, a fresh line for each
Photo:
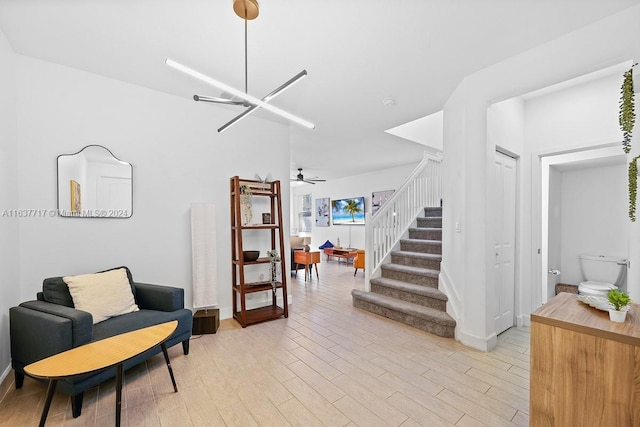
51,324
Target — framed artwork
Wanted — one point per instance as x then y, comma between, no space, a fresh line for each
349,211
76,201
322,212
378,198
304,213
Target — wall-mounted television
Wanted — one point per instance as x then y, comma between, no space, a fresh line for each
348,211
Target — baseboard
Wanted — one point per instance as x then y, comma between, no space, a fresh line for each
454,304
6,382
479,343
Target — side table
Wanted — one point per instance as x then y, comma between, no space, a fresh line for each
309,259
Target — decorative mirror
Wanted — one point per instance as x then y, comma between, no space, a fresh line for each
93,183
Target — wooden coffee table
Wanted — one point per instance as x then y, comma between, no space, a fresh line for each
103,354
346,254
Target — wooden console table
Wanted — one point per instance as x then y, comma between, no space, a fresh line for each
102,354
346,254
309,259
585,369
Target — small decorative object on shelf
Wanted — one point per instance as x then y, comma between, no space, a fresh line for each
250,255
266,218
245,203
620,305
274,260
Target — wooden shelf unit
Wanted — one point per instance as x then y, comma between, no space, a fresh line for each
241,288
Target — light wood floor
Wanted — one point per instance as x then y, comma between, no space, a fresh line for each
327,364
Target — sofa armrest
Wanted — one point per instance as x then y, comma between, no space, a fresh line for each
159,297
40,329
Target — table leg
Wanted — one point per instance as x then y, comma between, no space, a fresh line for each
119,375
316,266
296,270
50,391
166,359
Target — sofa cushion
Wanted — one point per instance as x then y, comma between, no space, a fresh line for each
142,319
56,291
297,242
104,295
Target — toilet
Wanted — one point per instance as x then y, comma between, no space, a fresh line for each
601,273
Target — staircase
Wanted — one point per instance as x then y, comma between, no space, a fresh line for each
407,290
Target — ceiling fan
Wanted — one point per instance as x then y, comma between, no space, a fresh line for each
247,10
300,178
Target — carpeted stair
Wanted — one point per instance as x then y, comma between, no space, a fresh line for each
407,290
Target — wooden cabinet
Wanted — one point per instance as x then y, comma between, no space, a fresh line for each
239,189
585,369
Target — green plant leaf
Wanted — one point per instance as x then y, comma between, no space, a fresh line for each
626,116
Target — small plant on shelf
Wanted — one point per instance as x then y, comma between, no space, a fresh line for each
619,302
618,299
274,259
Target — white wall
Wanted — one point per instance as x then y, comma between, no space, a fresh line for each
353,186
505,125
580,116
468,157
594,216
505,132
178,158
555,230
9,185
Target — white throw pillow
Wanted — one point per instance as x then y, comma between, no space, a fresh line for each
104,295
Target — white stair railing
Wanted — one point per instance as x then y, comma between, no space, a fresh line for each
423,188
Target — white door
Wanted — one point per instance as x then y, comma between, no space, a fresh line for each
504,231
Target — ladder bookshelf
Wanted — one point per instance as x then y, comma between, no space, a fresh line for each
242,288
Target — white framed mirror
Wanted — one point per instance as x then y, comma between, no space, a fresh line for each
93,183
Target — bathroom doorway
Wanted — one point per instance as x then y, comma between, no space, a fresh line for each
584,208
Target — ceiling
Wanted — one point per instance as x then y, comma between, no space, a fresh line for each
357,53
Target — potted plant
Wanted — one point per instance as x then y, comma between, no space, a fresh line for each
620,305
274,259
627,119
